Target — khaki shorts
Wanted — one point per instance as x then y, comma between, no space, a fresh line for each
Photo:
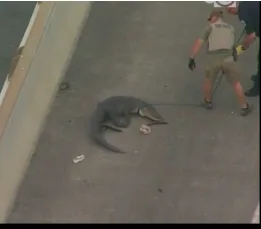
218,62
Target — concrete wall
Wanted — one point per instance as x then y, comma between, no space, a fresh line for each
33,84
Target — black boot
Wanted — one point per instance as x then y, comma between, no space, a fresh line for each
255,77
245,111
254,91
207,104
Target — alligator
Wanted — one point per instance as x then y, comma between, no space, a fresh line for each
118,110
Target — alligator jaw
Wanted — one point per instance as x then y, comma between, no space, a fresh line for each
151,113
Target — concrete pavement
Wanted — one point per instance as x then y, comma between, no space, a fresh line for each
201,168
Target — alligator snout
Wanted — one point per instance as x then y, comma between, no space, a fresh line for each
151,113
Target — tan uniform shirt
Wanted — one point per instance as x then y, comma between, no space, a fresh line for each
220,36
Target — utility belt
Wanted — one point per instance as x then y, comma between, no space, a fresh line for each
231,52
217,51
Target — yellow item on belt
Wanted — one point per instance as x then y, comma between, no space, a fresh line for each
239,49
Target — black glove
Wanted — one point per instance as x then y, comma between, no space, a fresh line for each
192,64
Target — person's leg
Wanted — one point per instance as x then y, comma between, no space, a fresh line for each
211,75
232,73
256,77
207,89
238,89
254,91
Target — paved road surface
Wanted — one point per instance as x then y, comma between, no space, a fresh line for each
203,167
14,18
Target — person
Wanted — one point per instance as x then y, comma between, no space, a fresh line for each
220,38
248,13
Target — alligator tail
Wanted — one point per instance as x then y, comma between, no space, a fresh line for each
100,140
96,130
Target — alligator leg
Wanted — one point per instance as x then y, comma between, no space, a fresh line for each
127,118
107,126
120,121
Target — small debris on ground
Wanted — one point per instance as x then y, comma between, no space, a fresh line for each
145,129
89,184
135,151
64,86
160,190
78,159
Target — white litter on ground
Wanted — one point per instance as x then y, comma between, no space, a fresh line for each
145,129
78,159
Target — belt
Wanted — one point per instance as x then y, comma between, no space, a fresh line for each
220,50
